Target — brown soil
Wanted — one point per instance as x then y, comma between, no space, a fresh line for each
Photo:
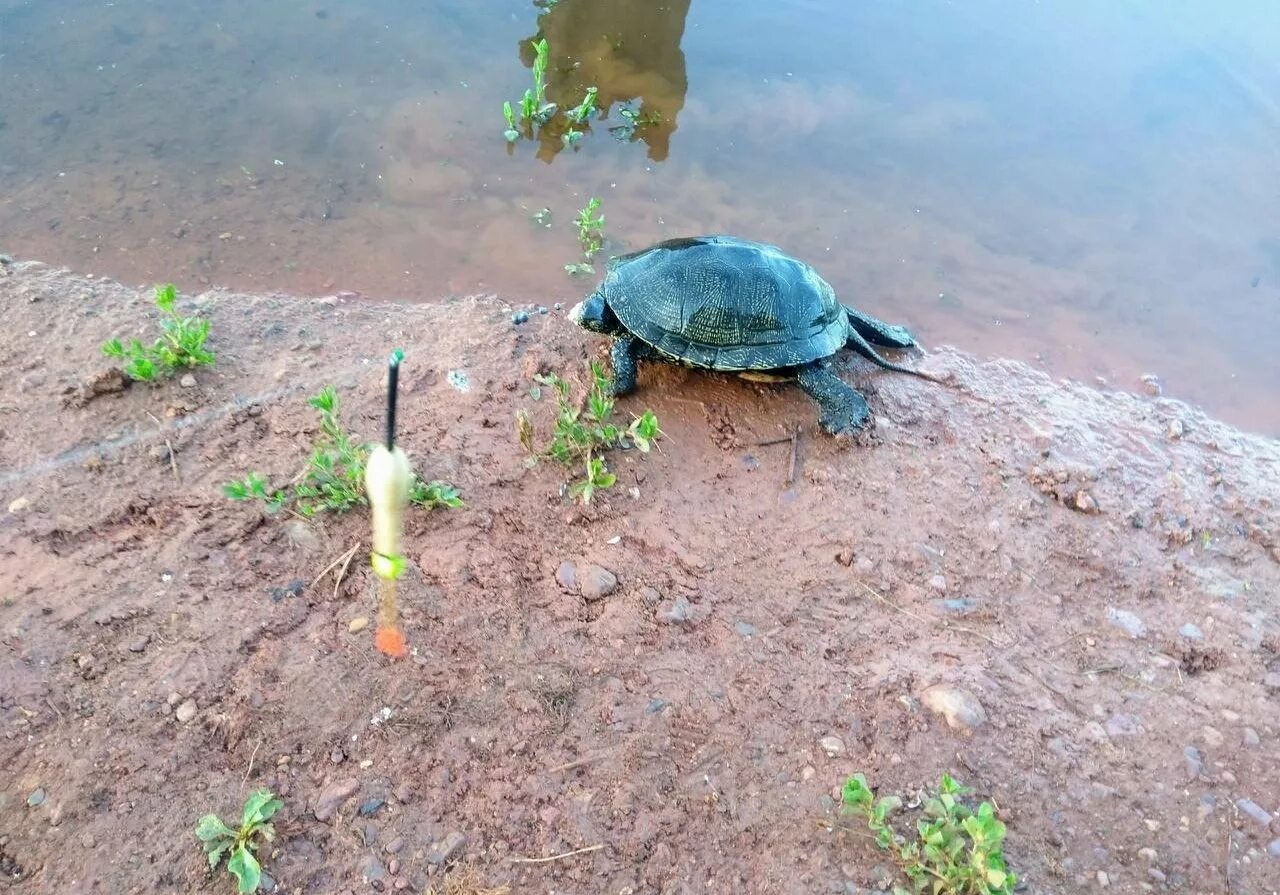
680,756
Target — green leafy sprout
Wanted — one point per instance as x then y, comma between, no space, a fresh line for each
180,345
955,850
633,121
534,108
238,845
333,479
590,226
582,430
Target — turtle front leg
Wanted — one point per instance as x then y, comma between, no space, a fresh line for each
623,356
843,410
877,332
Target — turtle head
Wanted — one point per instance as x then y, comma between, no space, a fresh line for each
592,313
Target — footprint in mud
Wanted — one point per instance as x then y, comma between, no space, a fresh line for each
724,434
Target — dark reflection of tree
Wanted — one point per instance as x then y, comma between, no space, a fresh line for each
628,49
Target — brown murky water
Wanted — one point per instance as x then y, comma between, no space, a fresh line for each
1092,186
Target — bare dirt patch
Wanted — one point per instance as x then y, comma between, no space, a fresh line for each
164,650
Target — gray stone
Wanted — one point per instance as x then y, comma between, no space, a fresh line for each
139,644
1251,737
958,706
1272,680
679,612
650,596
447,850
370,806
596,582
187,381
1274,848
372,870
938,583
1126,621
186,712
745,629
332,797
1255,811
1194,763
394,846
832,745
36,799
567,576
1122,725
1191,632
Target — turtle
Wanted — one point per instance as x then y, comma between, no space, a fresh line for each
736,305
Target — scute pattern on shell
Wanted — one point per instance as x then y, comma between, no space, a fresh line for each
726,303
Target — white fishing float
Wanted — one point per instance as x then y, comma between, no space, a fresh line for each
388,478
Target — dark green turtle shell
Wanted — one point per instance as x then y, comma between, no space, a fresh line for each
726,303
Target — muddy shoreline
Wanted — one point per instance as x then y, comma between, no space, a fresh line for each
1098,570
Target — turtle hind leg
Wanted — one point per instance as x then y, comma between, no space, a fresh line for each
878,332
623,356
843,410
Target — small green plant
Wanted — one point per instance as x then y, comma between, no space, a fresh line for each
582,111
333,479
180,345
238,845
598,478
512,133
581,431
579,269
633,121
590,228
956,851
534,107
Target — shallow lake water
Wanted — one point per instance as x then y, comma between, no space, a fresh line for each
1089,186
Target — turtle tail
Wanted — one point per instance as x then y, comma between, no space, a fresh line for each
863,347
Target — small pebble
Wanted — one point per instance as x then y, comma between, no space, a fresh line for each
559,306
938,583
19,505
187,381
832,745
1176,429
959,707
186,711
745,629
1126,621
596,582
1213,738
1251,737
1274,848
1255,811
1191,632
337,756
542,309
357,624
35,799
567,576
1103,879
1193,762
807,773
394,846
447,850
519,317
370,806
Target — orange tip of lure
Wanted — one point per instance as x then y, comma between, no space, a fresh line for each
391,642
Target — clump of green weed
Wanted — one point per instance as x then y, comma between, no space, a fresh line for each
634,121
238,845
535,111
180,345
583,430
955,850
590,226
578,116
333,479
